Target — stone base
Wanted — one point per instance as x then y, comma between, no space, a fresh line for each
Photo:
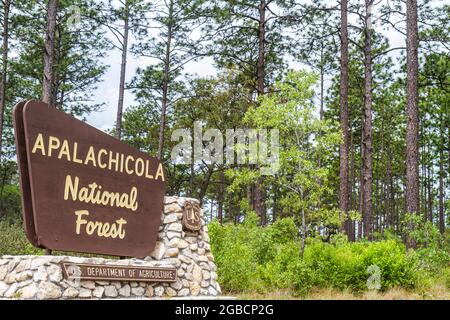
40,277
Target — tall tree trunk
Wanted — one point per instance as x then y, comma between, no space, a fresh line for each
303,238
441,180
164,102
367,124
260,73
412,113
275,203
221,197
322,83
361,183
343,150
260,68
430,193
48,81
123,69
351,224
390,188
4,70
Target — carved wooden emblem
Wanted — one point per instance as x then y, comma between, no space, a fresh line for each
191,217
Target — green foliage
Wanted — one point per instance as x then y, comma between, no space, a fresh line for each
12,237
250,257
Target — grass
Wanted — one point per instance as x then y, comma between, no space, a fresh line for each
438,291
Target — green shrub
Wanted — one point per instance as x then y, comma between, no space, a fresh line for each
264,258
13,240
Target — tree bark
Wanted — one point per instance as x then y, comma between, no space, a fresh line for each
430,194
164,102
441,181
343,150
260,71
123,68
221,196
390,187
412,113
4,70
48,81
260,68
367,124
351,224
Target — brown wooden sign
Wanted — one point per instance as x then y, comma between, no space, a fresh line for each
191,217
83,271
83,190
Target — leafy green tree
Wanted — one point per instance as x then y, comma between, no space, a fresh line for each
303,138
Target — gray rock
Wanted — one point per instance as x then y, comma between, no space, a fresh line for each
175,227
125,291
11,292
170,218
88,284
3,272
197,275
201,258
177,285
12,264
180,273
40,274
171,234
111,291
184,259
191,239
85,293
48,290
183,292
182,244
170,292
10,278
23,265
159,250
149,292
204,266
24,276
173,207
3,288
116,284
219,291
212,291
194,288
169,200
159,291
138,291
204,292
54,273
36,263
24,283
171,252
206,275
98,292
70,293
